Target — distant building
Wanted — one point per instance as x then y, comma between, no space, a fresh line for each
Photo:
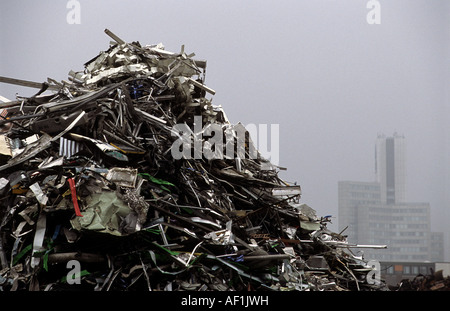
393,272
378,213
436,245
390,168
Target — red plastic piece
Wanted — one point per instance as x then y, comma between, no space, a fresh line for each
74,197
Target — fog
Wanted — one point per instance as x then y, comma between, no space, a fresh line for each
319,69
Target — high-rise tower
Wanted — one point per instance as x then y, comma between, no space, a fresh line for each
390,164
377,212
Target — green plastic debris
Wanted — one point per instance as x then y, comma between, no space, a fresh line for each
22,253
157,181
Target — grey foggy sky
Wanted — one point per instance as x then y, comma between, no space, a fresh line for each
329,79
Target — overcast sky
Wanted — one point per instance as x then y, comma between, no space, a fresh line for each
331,80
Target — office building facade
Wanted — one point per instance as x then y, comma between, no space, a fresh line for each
378,213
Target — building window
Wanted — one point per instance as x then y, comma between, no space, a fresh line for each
423,270
390,270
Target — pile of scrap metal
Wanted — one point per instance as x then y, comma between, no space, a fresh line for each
111,174
431,282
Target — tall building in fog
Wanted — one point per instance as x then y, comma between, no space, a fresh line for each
378,213
390,168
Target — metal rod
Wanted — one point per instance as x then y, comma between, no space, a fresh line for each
114,37
26,83
267,257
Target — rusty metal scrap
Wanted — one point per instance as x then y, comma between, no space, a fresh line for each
88,173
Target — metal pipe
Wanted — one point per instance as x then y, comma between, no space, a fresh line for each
114,37
267,257
83,257
27,83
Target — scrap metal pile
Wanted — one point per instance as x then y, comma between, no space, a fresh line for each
112,174
432,282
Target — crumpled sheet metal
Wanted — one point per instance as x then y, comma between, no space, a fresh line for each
87,173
